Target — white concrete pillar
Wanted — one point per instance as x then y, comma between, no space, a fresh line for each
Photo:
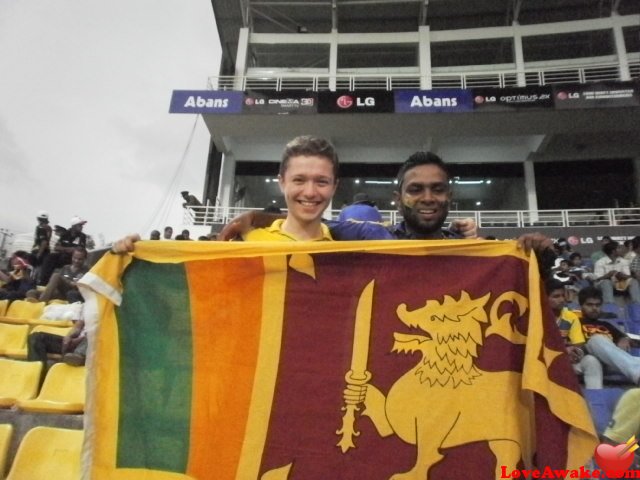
636,180
424,57
518,55
621,49
333,60
227,180
241,59
530,187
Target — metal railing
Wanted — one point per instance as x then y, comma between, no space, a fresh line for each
210,215
492,78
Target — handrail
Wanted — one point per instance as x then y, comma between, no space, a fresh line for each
210,215
500,78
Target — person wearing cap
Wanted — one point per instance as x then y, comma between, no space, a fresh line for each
41,239
69,240
361,210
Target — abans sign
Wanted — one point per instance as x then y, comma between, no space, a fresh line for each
205,101
432,101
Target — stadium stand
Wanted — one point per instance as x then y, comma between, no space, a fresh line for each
13,340
18,381
63,391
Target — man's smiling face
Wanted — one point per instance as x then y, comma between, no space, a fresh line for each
424,199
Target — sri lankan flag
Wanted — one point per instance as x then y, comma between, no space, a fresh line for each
326,361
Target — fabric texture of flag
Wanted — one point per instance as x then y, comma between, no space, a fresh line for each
326,360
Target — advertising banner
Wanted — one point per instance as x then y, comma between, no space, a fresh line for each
361,101
205,101
597,95
433,101
509,99
280,103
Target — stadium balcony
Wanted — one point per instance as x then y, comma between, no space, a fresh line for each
609,217
553,72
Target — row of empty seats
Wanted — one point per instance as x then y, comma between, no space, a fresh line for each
44,453
63,390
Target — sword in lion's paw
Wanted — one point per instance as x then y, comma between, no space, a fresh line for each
358,376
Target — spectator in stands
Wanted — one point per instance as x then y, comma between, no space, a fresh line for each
563,248
570,329
583,275
362,209
635,264
612,272
155,235
604,341
19,279
597,255
168,233
63,284
69,240
192,203
41,239
184,235
629,254
72,347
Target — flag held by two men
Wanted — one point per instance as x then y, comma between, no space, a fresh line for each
330,360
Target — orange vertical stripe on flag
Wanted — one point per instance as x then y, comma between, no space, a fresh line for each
226,311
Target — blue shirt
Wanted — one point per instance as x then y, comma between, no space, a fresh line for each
375,231
361,212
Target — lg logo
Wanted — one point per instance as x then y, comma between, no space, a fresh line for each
345,101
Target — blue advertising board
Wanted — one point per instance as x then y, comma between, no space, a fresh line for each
433,101
206,101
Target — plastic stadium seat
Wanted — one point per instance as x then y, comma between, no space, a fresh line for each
13,340
602,402
4,304
18,381
47,453
21,311
5,439
63,391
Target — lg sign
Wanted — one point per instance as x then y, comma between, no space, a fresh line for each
345,101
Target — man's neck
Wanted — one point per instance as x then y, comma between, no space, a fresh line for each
433,235
302,231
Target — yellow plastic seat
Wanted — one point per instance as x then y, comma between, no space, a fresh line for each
4,304
57,301
6,431
21,311
18,381
13,340
47,453
63,391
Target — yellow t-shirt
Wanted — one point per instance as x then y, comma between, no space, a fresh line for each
274,233
570,327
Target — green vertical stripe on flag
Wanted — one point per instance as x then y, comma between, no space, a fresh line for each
154,326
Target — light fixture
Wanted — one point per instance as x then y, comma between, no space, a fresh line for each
478,203
488,182
268,180
378,182
469,182
357,180
393,202
273,201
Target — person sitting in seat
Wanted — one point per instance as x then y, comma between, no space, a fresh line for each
72,346
63,284
604,341
19,280
612,272
570,329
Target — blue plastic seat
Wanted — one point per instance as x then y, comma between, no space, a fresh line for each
602,402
